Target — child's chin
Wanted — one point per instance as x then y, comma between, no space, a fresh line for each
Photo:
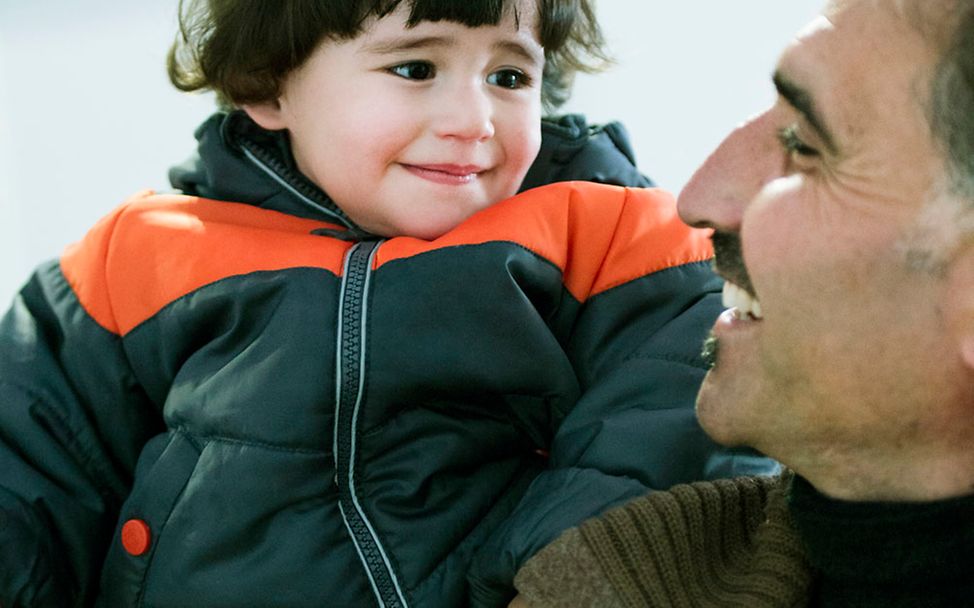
434,227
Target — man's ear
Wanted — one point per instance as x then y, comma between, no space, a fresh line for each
267,114
960,302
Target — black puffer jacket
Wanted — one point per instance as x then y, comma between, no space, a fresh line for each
247,401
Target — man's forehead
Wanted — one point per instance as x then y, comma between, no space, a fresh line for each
930,20
877,30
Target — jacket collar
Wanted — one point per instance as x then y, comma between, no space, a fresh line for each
238,161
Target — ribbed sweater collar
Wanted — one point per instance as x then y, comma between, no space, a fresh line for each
886,554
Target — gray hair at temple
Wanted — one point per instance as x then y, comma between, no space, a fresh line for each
952,98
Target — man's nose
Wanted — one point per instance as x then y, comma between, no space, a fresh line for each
465,113
720,190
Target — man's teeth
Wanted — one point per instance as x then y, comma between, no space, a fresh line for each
736,297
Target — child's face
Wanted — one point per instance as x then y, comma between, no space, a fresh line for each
413,130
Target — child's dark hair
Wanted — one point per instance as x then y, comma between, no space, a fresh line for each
244,49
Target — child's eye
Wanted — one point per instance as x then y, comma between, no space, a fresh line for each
793,144
414,70
509,79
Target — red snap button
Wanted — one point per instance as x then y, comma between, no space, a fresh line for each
136,536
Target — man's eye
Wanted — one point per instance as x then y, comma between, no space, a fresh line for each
793,144
509,79
414,70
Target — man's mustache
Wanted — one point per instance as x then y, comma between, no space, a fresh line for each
729,261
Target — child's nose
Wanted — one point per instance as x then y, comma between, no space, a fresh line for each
466,114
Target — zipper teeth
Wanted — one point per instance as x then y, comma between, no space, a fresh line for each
263,165
350,366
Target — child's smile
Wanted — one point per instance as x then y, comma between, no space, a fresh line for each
411,130
446,174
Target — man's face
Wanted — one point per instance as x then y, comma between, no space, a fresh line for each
413,129
831,192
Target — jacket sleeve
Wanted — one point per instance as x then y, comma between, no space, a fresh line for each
72,421
635,346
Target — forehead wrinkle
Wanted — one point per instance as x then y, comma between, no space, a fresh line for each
398,44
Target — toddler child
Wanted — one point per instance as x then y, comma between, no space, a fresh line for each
345,366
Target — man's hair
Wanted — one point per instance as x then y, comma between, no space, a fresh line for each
952,98
244,49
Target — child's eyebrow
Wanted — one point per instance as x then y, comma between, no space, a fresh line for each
407,43
411,43
526,52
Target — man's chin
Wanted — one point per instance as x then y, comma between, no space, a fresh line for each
714,423
713,411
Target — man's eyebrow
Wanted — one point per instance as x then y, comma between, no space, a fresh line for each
801,100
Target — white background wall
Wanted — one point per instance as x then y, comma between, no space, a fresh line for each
87,116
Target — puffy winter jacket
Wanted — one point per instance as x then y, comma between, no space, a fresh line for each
250,402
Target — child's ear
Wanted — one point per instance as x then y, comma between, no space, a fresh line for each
267,114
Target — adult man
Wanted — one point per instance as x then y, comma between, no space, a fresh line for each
844,226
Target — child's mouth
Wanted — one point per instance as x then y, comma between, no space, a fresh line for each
451,175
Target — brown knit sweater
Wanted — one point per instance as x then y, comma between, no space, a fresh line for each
722,543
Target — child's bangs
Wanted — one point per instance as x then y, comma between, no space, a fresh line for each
472,13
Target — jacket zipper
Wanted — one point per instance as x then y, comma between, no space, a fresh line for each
350,382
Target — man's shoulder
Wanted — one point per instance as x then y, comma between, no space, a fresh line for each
704,543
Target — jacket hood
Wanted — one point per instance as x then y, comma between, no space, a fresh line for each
572,149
